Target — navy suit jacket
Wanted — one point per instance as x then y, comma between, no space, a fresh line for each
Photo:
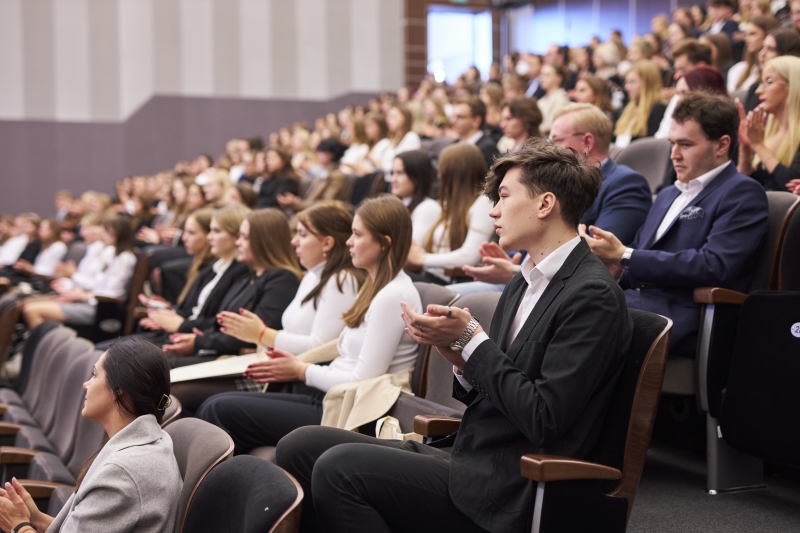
714,242
622,204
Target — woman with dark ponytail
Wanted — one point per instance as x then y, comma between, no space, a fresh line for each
133,483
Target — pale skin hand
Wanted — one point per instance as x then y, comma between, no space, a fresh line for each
246,326
497,267
287,199
65,270
17,506
165,319
182,343
281,367
434,328
21,265
606,246
793,186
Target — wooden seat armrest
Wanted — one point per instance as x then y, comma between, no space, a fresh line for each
435,425
718,295
39,490
107,300
140,313
3,408
13,455
9,428
455,273
544,468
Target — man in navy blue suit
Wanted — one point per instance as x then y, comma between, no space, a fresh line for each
706,230
721,14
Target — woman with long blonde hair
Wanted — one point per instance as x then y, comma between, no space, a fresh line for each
464,223
642,116
769,149
372,343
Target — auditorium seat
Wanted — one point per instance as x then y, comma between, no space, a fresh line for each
245,495
649,157
575,495
29,352
788,275
10,309
173,412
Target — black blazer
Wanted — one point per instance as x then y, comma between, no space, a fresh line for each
488,147
267,295
211,307
546,393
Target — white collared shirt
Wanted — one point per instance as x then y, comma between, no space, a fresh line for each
538,278
689,192
474,138
219,267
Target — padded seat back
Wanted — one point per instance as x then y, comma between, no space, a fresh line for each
70,403
30,351
89,439
789,269
429,293
649,157
45,410
9,316
482,305
760,411
782,205
44,351
244,495
628,425
171,413
198,447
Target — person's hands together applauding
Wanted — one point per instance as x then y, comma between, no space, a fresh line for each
280,367
439,326
497,267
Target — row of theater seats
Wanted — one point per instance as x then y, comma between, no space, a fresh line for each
45,444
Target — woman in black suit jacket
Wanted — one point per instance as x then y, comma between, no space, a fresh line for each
264,244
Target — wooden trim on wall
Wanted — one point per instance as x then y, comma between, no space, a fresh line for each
416,45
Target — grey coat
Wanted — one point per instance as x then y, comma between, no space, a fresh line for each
133,485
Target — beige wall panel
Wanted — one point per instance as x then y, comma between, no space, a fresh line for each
72,87
391,60
136,54
12,88
311,31
365,45
167,46
284,50
104,76
226,47
38,59
197,48
255,48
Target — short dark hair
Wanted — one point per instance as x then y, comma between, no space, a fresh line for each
721,3
549,168
333,147
716,114
527,110
139,370
419,169
476,107
787,42
695,50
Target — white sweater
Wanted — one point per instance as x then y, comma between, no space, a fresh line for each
410,141
45,263
113,282
304,327
98,256
481,227
12,249
378,346
424,216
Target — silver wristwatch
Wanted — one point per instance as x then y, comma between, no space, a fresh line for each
459,344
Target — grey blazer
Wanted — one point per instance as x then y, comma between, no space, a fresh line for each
133,485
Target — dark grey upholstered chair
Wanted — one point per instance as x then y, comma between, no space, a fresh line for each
198,447
10,309
29,352
245,495
789,264
437,398
761,408
41,349
42,413
574,495
649,157
707,375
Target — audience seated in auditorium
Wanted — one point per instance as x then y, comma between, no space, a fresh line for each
643,114
746,72
464,222
328,181
264,246
133,483
412,178
399,139
721,52
593,90
51,251
371,344
77,306
769,150
705,231
519,400
23,233
780,42
313,318
720,15
687,55
469,123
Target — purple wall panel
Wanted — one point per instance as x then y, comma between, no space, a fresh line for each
38,157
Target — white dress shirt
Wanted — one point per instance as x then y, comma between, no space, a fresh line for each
423,218
219,267
663,128
45,263
538,278
12,249
114,281
378,346
97,257
689,192
474,138
306,327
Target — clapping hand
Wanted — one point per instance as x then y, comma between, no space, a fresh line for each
497,267
440,326
279,368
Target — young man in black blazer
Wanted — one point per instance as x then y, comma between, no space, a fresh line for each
539,382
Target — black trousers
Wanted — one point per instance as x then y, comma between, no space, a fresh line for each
359,483
254,419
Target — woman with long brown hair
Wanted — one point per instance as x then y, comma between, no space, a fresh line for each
464,223
642,116
264,244
746,72
280,178
372,343
595,91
